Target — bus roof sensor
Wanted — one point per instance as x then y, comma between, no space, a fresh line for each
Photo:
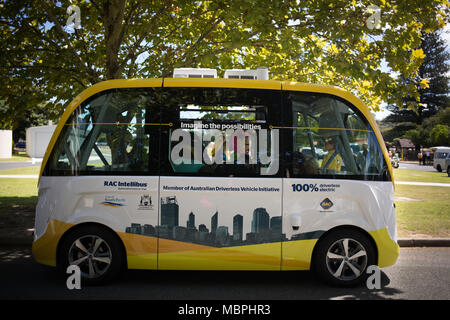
194,73
260,73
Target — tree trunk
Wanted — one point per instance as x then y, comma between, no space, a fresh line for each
113,21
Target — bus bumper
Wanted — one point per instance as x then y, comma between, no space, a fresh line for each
388,249
44,248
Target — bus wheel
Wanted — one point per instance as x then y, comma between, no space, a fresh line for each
97,252
342,257
438,168
448,170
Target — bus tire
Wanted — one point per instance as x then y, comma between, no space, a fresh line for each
342,257
96,250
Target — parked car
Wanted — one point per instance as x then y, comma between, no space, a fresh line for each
440,156
20,146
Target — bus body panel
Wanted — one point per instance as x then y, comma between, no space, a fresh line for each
321,205
115,202
232,223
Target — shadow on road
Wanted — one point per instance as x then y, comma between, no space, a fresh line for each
272,285
28,280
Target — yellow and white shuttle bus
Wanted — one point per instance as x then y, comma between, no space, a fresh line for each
216,174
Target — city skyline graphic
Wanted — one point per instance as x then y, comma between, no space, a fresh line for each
261,229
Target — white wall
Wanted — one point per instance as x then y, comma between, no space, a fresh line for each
38,139
5,144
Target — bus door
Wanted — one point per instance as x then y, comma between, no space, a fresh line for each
220,185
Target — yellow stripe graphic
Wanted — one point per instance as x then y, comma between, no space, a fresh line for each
142,252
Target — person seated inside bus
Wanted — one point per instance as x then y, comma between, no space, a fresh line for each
299,165
245,167
214,169
361,157
237,168
332,160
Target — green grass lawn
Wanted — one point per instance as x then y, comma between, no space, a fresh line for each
423,211
19,157
18,198
421,176
17,189
26,170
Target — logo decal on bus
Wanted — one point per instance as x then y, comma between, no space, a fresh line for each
326,204
124,184
145,203
113,201
112,204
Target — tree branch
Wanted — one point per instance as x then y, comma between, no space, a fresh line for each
132,54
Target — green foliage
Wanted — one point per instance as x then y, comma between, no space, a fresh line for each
442,117
430,115
418,136
440,135
398,131
431,81
310,40
435,131
6,122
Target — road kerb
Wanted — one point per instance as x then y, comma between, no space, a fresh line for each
423,242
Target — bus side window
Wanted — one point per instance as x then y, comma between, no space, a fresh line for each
328,138
106,133
219,132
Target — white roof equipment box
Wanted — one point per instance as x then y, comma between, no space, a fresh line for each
260,73
194,73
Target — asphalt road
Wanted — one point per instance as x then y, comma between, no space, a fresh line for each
18,164
420,273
